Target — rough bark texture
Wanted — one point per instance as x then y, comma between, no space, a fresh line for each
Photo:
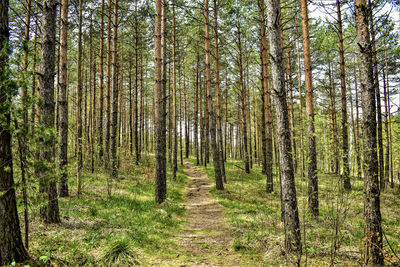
289,200
312,149
266,122
47,109
372,214
11,246
159,116
213,133
62,101
114,114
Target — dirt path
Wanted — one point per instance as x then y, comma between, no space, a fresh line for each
206,240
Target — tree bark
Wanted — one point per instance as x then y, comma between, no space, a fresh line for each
174,119
114,114
159,101
79,109
63,101
216,157
101,86
266,120
375,74
218,92
372,214
47,110
108,94
312,149
289,199
243,99
345,137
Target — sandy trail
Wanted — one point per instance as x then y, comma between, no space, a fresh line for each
206,239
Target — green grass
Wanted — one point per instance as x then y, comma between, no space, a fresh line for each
128,229
259,232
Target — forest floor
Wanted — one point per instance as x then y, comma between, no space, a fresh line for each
200,226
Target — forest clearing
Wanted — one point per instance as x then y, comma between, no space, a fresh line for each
199,133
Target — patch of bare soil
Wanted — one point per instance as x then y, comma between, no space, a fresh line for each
206,239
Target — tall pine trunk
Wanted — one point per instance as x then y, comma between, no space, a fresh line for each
288,193
63,101
114,114
159,101
312,149
266,120
345,137
373,253
213,132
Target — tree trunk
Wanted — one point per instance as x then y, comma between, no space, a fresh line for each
108,94
47,110
332,107
266,120
174,127
243,99
289,199
372,214
159,116
101,87
196,109
114,115
358,141
218,92
312,149
375,74
292,121
79,103
62,101
384,180
216,157
11,246
135,96
345,138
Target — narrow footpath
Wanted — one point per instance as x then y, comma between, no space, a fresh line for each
206,239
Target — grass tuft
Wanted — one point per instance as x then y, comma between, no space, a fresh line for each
120,252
